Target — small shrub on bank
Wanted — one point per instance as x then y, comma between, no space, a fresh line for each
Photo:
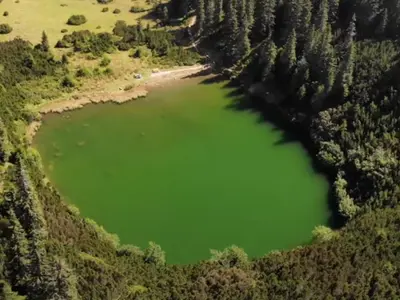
137,9
117,11
64,30
68,82
5,29
82,72
105,9
105,61
77,20
5,14
108,71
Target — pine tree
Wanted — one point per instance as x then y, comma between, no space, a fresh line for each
250,13
322,16
305,20
45,42
347,64
200,14
265,18
328,60
333,11
243,38
270,59
218,12
210,15
384,19
231,26
288,57
5,145
18,253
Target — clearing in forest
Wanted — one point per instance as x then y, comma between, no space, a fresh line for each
30,17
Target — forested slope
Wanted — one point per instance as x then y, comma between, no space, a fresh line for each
329,66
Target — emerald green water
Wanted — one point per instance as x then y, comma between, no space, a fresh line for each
181,169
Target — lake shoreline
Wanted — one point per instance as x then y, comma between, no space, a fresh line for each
74,102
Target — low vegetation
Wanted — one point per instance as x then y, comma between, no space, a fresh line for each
5,29
77,20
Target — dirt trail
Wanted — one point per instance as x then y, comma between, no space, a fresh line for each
79,100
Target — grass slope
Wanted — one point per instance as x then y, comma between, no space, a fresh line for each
30,17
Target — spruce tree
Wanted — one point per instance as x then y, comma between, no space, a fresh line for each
304,20
218,12
250,12
45,42
200,14
288,57
265,18
231,27
243,38
210,15
322,16
347,64
383,22
5,145
269,58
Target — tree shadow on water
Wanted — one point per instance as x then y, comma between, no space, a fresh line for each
290,133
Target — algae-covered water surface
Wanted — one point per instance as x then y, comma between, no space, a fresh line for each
183,170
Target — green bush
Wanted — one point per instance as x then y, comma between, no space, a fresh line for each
82,72
68,82
117,11
105,9
64,30
5,14
137,9
108,71
77,20
5,29
105,61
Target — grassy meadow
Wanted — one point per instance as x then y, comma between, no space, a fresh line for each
30,17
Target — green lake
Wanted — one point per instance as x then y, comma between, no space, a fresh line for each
182,169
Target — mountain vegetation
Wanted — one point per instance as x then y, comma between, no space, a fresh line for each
327,66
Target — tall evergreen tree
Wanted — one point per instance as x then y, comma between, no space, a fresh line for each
45,42
322,16
218,12
264,18
231,27
210,15
250,12
270,59
288,57
345,79
200,14
243,38
5,145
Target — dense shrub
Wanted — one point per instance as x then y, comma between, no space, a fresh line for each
5,14
5,29
88,42
68,82
77,20
105,9
117,11
108,71
82,72
137,9
105,61
64,30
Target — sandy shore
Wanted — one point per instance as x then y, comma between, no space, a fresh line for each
80,100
